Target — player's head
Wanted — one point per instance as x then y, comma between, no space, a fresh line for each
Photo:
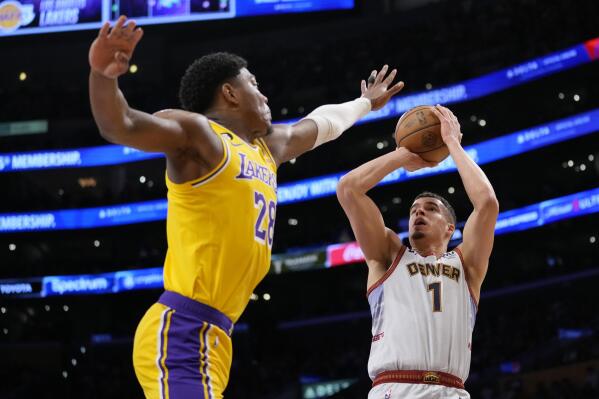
223,80
431,217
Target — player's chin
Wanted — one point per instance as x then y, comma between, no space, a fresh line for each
263,130
267,128
417,235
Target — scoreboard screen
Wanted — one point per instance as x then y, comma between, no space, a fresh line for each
23,17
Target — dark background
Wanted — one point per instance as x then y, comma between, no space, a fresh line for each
301,62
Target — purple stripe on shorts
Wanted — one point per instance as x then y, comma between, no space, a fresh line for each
182,361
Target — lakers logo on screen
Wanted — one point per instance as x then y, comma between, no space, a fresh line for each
13,15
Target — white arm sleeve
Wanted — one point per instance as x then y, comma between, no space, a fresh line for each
334,119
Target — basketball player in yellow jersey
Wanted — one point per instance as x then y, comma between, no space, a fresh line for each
222,155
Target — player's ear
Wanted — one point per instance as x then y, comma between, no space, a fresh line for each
450,229
229,93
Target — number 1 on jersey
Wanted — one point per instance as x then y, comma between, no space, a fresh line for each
436,288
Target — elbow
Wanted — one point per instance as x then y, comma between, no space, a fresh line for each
346,188
490,203
108,136
114,136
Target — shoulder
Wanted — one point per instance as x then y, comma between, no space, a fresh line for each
278,134
395,249
277,140
200,143
192,125
184,117
395,244
458,251
287,141
379,271
173,113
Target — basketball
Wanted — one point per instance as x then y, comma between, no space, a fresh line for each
419,130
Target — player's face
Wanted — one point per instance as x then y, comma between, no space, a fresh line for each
427,219
253,104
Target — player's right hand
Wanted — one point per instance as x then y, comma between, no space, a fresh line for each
412,162
110,53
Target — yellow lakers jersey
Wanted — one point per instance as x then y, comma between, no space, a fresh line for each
220,227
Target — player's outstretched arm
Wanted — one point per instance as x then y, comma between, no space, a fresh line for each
378,243
329,121
166,131
479,231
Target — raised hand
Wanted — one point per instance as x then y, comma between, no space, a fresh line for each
450,127
110,53
411,161
377,88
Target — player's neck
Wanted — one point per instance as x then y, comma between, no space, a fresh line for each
232,123
429,248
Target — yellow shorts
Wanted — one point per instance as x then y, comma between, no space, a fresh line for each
182,349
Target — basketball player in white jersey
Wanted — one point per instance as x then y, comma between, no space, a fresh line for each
423,299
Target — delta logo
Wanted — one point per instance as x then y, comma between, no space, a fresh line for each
13,15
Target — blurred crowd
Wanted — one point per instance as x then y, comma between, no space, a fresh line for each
529,343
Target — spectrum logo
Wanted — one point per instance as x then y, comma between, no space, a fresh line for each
13,15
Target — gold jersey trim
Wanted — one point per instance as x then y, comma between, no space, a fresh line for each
219,168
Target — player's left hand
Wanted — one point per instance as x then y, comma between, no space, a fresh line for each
450,127
377,88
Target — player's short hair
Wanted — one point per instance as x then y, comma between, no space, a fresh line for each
450,214
203,77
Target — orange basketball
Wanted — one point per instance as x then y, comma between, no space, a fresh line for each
419,130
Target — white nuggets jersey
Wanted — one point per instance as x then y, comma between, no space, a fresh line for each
422,316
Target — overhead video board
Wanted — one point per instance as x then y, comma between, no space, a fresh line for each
23,17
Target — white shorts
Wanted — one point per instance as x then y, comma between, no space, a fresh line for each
416,391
